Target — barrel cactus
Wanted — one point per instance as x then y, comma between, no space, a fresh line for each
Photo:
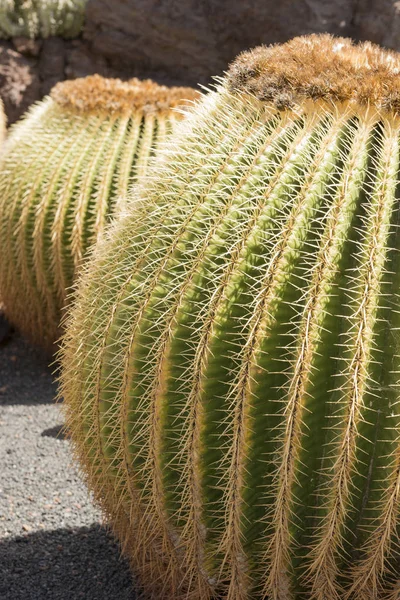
44,18
66,170
232,362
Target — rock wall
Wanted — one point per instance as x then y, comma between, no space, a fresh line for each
179,41
195,39
30,68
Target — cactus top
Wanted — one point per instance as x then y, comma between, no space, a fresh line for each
96,93
319,67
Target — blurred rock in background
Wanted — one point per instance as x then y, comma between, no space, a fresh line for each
179,42
198,38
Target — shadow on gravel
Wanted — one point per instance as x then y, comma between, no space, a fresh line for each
58,432
6,330
25,374
64,564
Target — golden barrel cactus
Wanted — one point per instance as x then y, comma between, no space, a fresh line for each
232,363
66,170
41,18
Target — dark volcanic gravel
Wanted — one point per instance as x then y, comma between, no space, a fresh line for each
52,546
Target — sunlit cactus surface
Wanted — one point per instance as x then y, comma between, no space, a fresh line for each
66,170
41,18
232,365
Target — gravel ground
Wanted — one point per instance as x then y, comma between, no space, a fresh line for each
52,545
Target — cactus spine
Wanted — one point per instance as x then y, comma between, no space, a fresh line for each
66,170
233,390
41,18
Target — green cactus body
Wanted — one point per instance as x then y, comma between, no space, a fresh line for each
41,18
231,366
66,170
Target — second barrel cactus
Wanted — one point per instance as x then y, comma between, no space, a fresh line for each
44,18
232,366
66,170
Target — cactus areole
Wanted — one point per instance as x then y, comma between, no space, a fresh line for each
66,170
232,365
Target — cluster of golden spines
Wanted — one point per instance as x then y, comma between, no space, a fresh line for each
319,67
114,96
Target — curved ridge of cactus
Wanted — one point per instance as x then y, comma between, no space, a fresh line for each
41,18
66,170
232,362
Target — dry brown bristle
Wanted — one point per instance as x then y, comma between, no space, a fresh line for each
319,67
96,93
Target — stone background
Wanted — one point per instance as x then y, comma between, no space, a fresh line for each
179,41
